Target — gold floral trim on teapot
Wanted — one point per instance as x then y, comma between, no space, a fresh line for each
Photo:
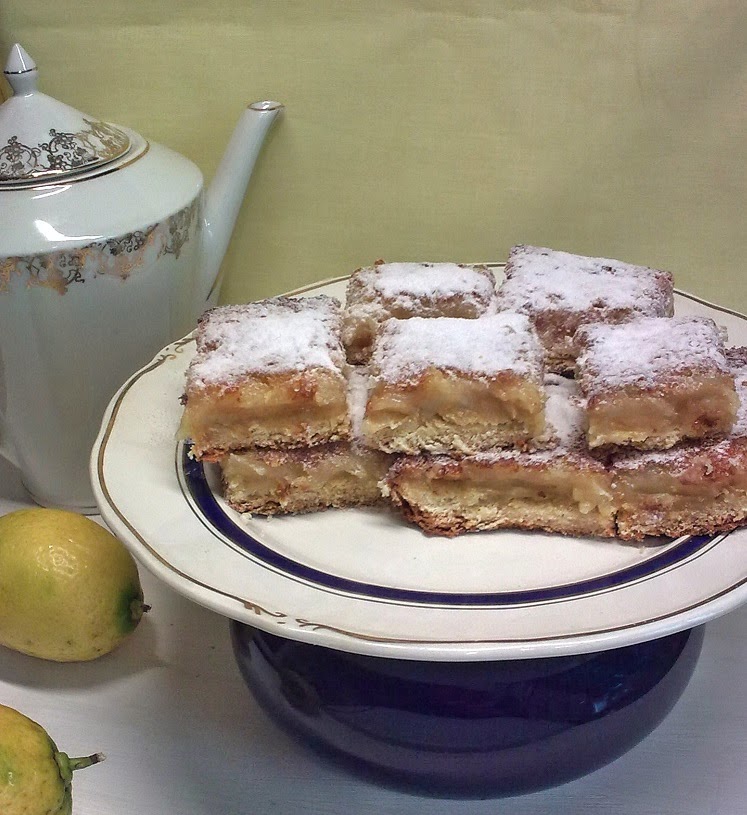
98,143
116,257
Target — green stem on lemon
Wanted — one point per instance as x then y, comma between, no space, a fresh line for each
82,762
68,765
130,609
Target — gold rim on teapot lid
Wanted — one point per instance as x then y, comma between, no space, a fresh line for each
42,139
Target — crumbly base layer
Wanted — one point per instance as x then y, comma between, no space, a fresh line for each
449,498
274,482
443,413
665,518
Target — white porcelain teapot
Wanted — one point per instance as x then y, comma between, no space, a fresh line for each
110,248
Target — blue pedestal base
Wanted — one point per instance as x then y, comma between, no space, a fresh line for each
468,729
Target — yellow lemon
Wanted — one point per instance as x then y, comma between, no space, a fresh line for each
69,590
35,778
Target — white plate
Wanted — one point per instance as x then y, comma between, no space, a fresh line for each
362,580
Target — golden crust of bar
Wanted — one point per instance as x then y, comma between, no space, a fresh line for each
696,489
449,497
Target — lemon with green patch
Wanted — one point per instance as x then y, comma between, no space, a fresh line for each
69,590
35,778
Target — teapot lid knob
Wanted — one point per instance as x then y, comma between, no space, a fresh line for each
20,71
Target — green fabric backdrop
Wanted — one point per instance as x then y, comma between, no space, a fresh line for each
426,129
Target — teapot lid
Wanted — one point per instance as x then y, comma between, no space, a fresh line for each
43,140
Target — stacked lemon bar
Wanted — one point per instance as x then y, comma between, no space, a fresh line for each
568,399
641,431
491,438
267,398
561,488
271,398
698,483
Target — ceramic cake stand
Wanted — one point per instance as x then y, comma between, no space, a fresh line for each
467,728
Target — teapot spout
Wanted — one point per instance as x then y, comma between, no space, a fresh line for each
226,192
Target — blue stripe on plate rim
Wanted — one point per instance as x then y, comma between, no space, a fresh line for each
212,514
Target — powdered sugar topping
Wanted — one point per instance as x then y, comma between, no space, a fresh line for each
737,359
424,279
645,351
484,347
539,279
279,335
415,287
564,411
357,398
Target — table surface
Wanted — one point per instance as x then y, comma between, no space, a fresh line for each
183,735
